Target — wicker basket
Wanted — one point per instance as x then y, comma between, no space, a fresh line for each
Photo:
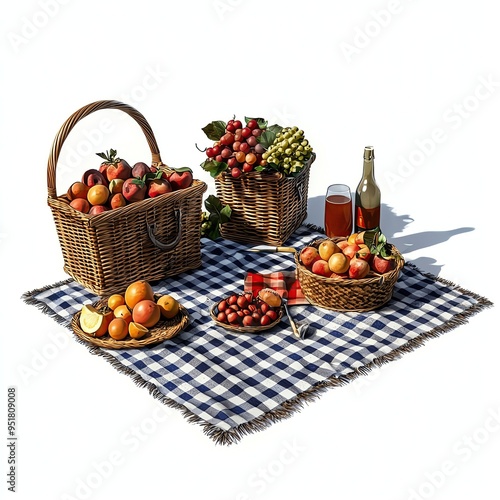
266,208
165,329
151,239
344,295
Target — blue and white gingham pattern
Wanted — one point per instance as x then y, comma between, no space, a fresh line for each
228,379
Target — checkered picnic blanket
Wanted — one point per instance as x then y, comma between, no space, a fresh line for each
235,383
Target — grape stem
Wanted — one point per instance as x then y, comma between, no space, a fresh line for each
202,150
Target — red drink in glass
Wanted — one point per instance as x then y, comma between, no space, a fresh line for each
338,211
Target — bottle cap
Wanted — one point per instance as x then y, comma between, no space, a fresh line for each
369,153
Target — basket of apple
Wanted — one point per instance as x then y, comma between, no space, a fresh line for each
357,273
261,172
123,221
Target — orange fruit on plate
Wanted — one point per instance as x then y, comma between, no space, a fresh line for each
118,328
136,330
115,300
169,307
123,312
108,317
137,291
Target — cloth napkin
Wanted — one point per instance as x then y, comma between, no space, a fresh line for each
285,283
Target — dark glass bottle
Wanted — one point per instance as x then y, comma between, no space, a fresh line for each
367,198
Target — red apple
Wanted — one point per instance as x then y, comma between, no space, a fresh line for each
308,256
118,170
134,189
381,265
158,186
358,268
181,178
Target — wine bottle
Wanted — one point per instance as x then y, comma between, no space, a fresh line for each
367,198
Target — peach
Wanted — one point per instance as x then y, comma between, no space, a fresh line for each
308,256
338,263
321,268
352,238
351,250
78,190
358,268
327,248
146,312
364,253
92,177
117,201
360,238
97,209
81,205
381,265
140,169
342,244
116,186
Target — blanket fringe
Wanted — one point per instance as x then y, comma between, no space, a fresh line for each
296,404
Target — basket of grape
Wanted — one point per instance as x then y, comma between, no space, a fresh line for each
261,172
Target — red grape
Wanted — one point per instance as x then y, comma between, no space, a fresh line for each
210,152
235,172
245,147
226,153
252,124
237,124
246,132
252,141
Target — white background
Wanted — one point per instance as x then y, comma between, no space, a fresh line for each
418,80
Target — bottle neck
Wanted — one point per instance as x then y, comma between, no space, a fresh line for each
369,169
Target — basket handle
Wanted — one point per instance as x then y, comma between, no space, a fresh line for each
82,113
166,246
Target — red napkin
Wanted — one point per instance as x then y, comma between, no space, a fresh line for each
285,283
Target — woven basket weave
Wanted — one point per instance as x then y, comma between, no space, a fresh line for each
266,208
151,239
344,295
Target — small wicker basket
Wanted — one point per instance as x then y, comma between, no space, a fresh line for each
357,295
150,239
266,207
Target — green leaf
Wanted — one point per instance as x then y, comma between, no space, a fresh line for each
214,167
218,214
139,182
182,169
269,167
266,138
215,130
262,123
274,128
